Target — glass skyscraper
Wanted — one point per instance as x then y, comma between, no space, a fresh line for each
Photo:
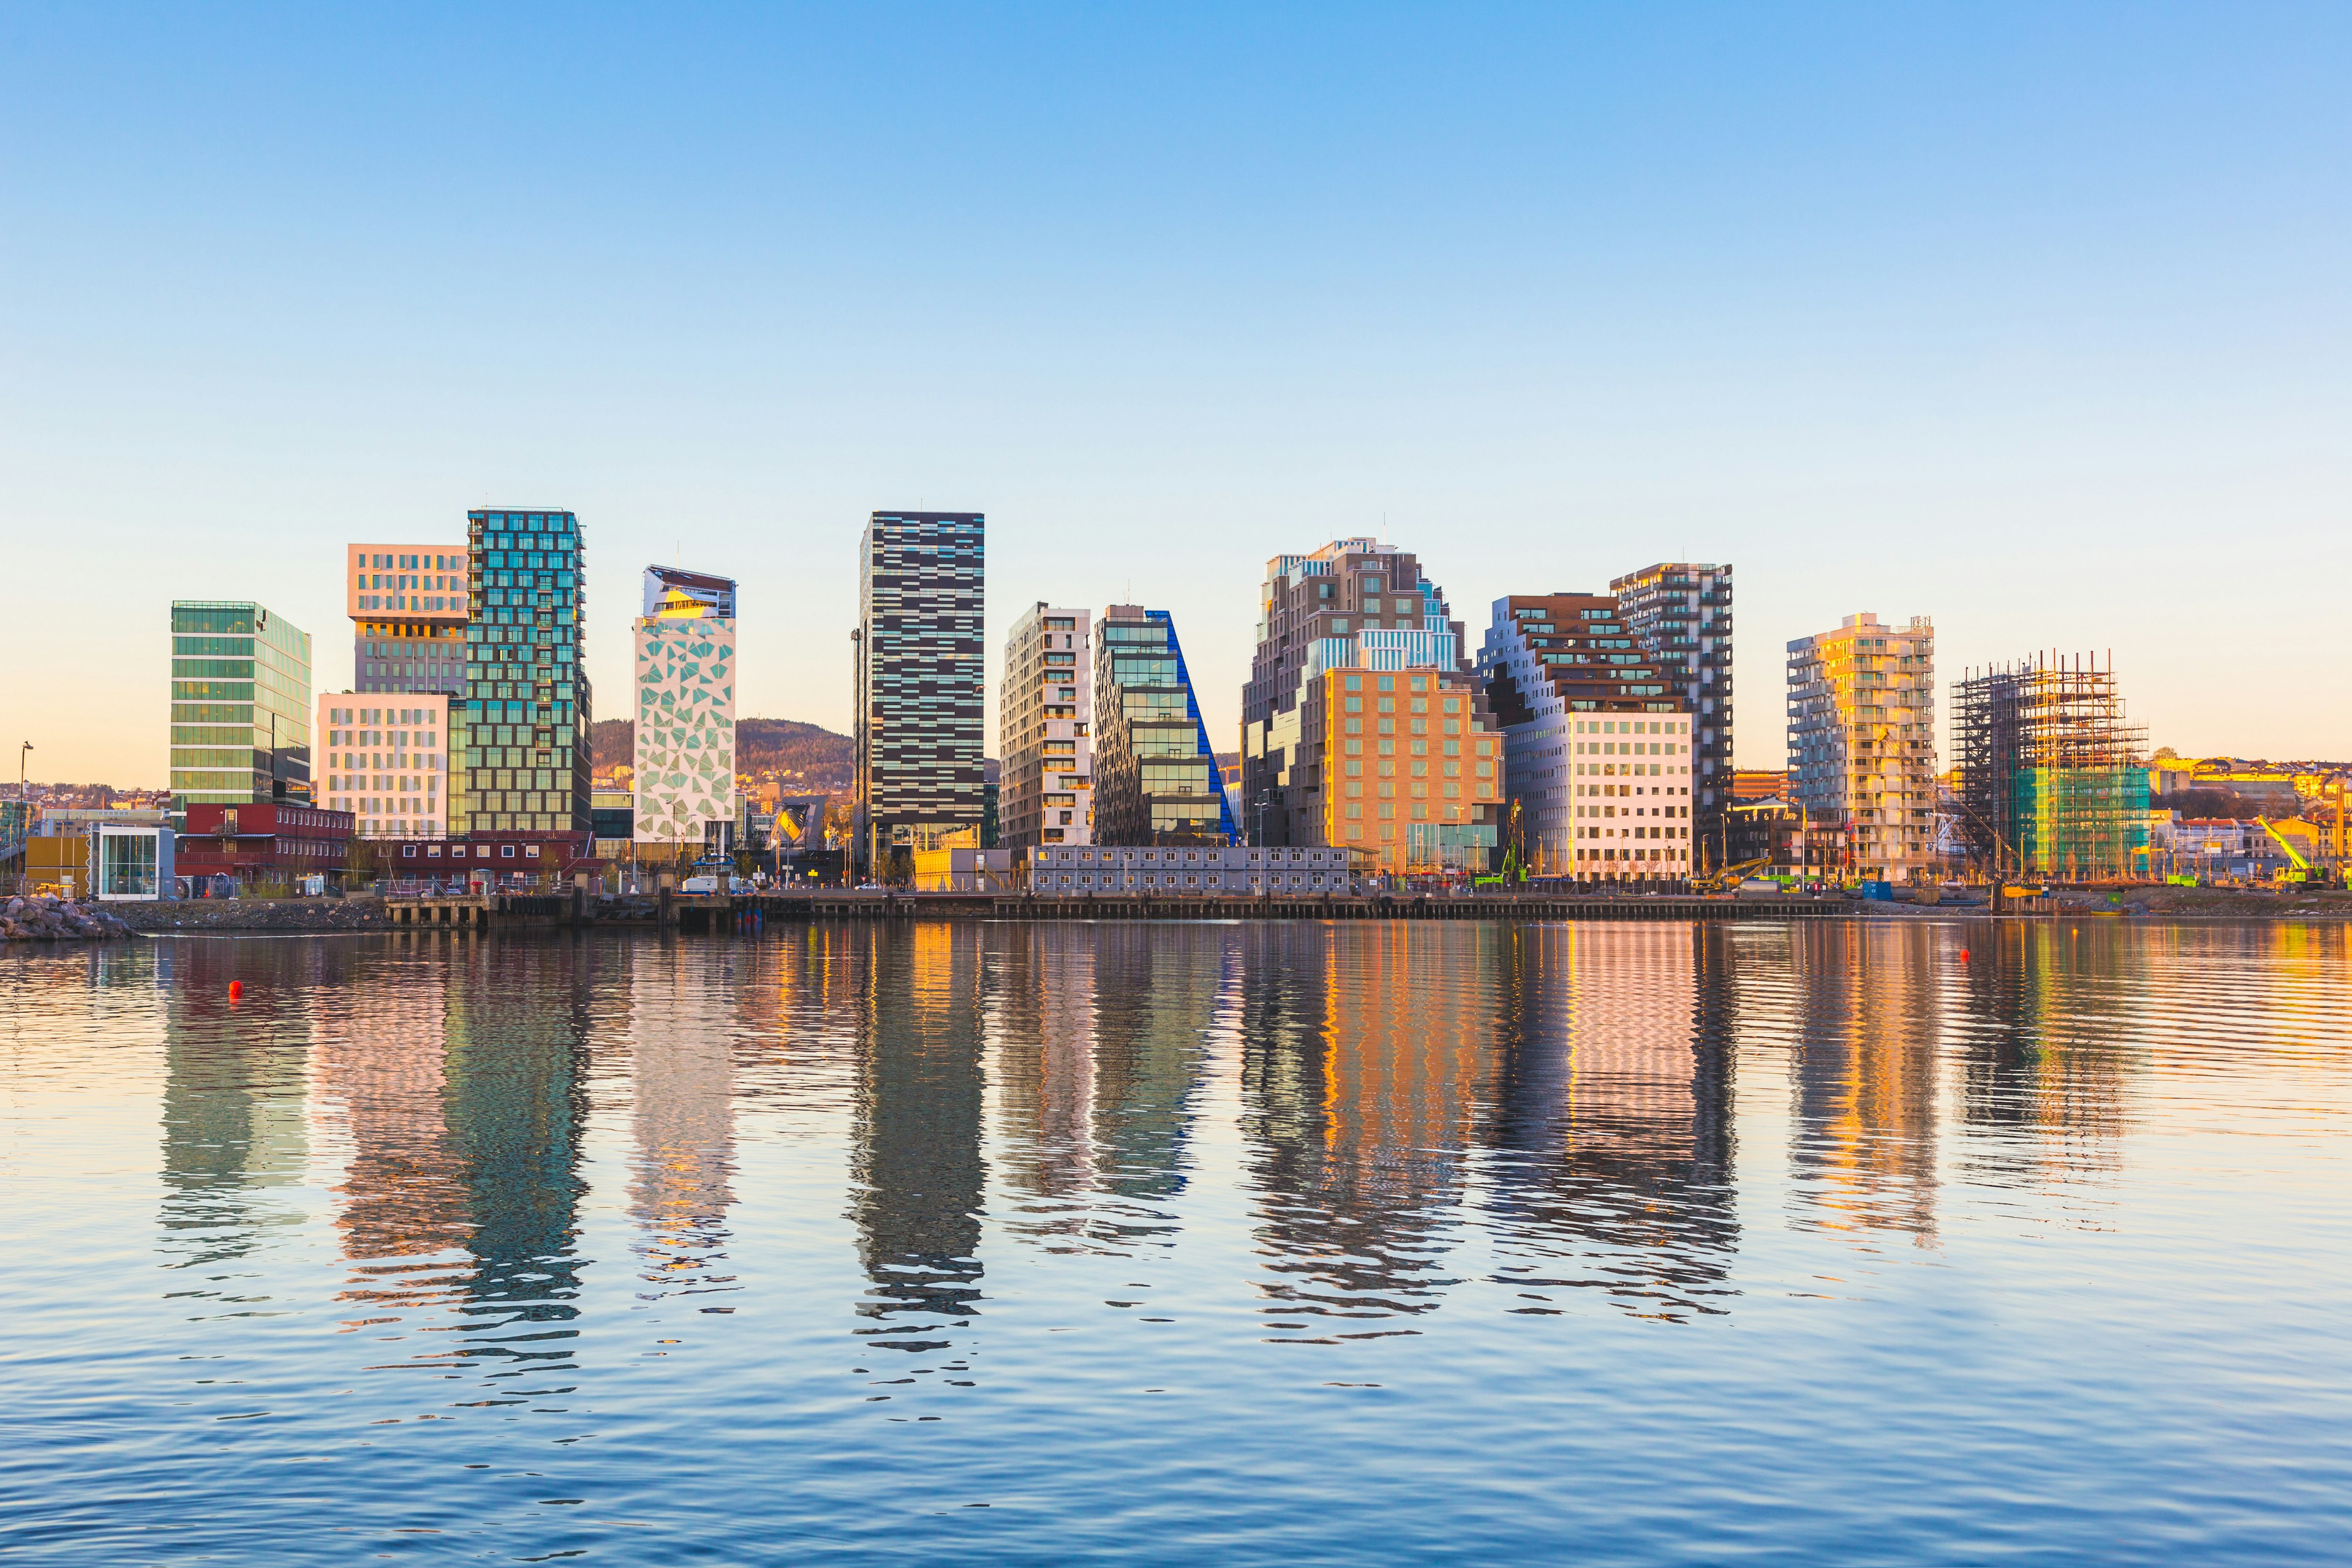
1156,774
921,695
527,709
240,705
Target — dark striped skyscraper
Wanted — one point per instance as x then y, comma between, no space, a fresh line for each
921,695
527,709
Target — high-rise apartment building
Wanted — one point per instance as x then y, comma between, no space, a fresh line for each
1862,745
408,605
1680,612
1156,774
1354,604
920,695
384,758
684,759
525,754
1044,710
1569,684
240,705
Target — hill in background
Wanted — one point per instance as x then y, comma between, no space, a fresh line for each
803,756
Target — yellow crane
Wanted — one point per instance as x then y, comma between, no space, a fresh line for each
2302,867
1727,880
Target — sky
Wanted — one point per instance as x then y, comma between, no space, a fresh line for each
2032,319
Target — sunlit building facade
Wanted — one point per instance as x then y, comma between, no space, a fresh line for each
1044,711
1156,776
408,607
527,709
1861,744
384,758
684,736
240,705
920,696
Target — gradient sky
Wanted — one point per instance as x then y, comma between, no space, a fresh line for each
2033,319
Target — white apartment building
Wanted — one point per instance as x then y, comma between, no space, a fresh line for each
1044,789
383,756
1578,704
1862,741
683,747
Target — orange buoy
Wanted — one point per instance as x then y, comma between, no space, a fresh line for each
236,989
1964,955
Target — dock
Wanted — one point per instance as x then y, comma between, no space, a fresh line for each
722,912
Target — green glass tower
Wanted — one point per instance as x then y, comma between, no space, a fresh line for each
240,705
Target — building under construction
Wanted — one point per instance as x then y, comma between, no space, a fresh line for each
2053,778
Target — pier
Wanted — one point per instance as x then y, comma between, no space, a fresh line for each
721,912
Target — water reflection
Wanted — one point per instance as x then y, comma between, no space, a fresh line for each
1363,1052
234,1129
1611,1119
917,1176
1863,1081
682,1109
514,1097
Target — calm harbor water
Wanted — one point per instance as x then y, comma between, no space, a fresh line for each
1611,1243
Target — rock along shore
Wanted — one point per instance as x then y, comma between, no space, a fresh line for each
49,918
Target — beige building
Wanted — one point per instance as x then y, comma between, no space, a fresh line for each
1862,746
1045,791
383,756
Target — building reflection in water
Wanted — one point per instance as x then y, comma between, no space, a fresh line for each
515,1101
682,1079
2041,1020
917,1173
402,1208
1863,1147
1363,1051
1610,1117
1099,1047
234,1100
1041,1030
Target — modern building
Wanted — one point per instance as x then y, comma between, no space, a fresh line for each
1862,745
1156,776
684,764
384,758
1354,604
1412,769
240,705
1044,712
919,686
1559,670
1680,611
2053,776
408,605
1195,869
525,758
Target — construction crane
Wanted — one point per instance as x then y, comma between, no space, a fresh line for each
2302,872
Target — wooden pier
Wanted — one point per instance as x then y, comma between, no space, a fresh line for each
486,912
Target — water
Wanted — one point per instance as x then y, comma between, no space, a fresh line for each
1615,1243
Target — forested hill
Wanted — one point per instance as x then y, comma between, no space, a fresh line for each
784,748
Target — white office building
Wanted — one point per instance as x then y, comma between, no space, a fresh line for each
1044,792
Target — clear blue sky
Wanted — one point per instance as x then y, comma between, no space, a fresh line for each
2034,320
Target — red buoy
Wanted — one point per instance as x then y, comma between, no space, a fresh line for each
1964,955
236,989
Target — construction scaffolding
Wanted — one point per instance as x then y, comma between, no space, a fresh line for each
2053,777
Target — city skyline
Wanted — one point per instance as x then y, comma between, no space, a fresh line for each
2021,345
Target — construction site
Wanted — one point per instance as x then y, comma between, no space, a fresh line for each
2053,776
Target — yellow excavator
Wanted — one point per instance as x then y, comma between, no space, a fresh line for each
1727,880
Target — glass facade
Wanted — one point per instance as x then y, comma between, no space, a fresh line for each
240,705
920,697
1156,776
525,747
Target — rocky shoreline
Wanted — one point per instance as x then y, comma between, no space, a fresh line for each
49,918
